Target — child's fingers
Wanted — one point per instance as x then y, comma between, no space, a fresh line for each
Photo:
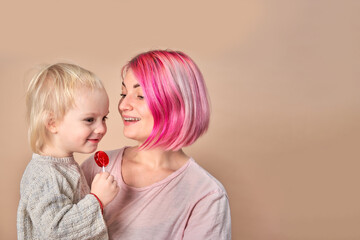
114,184
110,178
104,175
96,178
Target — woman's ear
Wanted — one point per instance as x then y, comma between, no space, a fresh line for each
51,123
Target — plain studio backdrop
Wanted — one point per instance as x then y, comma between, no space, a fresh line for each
283,78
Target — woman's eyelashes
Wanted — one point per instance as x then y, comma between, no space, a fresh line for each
123,95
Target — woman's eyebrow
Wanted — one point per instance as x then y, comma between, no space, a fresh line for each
136,85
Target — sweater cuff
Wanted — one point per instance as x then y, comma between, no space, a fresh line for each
100,203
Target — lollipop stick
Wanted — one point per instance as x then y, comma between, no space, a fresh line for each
103,169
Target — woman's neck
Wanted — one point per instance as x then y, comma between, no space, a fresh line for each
157,158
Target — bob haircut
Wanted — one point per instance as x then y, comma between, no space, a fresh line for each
50,94
176,94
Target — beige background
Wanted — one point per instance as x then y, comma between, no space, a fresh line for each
283,78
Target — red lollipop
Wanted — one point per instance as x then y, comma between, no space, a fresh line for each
101,159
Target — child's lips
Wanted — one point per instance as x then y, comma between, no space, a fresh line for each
94,140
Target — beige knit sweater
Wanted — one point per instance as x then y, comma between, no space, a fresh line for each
55,204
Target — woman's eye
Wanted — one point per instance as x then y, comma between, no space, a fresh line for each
122,95
141,97
105,118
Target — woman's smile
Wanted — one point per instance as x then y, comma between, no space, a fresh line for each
130,120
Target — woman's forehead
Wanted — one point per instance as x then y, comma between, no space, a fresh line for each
130,81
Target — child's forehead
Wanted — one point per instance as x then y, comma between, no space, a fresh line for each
88,90
88,100
89,94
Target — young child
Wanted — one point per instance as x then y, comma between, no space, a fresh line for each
67,107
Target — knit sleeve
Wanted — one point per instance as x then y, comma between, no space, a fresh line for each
210,218
55,216
88,167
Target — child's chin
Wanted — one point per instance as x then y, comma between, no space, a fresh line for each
89,150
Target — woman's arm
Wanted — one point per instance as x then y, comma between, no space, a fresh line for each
210,218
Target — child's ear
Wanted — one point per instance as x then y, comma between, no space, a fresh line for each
51,123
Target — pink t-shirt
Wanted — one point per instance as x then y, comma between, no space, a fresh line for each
188,204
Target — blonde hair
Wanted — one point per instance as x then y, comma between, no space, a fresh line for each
51,93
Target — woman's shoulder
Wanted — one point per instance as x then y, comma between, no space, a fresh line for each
203,178
113,154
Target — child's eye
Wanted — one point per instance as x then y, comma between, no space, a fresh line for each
105,118
122,95
90,120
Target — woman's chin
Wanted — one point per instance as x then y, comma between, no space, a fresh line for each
135,137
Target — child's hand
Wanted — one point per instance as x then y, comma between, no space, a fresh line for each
104,187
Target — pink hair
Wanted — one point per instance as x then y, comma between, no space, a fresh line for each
176,94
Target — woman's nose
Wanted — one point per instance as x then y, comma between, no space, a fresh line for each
125,104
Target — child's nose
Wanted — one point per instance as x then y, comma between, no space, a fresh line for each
101,128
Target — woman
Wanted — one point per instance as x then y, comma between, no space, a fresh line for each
164,194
